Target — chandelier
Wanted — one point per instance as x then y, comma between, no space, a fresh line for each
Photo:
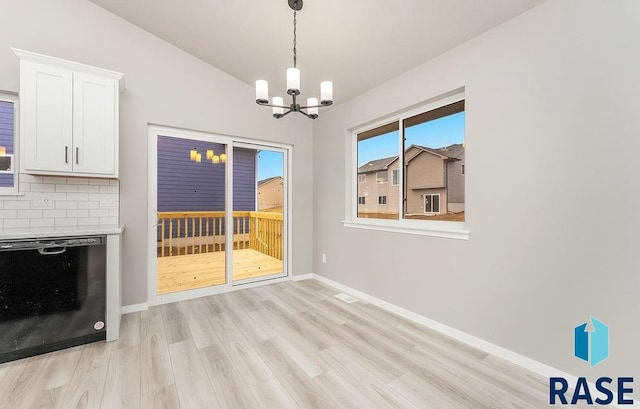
196,156
293,86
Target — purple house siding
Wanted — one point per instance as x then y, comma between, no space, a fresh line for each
6,137
185,185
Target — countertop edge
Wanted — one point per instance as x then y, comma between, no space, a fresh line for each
66,231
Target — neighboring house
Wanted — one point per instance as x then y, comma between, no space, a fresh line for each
270,193
435,182
185,185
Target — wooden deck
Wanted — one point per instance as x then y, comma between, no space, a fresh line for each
191,271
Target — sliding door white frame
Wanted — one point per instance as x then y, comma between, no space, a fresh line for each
154,131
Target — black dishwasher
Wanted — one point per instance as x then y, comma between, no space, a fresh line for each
52,294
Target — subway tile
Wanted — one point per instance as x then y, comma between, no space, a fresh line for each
66,188
78,213
41,187
94,204
88,221
108,220
114,182
54,180
15,223
113,212
54,213
89,189
77,197
66,222
17,204
24,187
77,181
63,204
8,214
109,189
99,182
29,178
29,214
42,223
98,213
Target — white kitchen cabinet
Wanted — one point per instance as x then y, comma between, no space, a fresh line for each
69,117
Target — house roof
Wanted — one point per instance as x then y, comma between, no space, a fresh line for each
267,180
376,165
447,152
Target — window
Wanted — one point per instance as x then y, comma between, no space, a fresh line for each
395,174
424,150
361,200
432,203
362,178
8,126
382,177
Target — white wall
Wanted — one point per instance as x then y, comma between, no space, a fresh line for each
164,86
552,128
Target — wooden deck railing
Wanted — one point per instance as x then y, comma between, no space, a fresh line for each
181,233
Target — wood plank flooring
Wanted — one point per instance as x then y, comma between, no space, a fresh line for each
191,271
288,345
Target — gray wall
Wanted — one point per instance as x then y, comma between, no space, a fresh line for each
165,86
548,95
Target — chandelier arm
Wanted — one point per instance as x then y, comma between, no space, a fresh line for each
273,106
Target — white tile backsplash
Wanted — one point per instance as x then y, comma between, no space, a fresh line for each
50,201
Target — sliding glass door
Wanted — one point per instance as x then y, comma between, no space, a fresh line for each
191,203
218,213
260,223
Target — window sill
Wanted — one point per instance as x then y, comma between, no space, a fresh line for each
408,227
11,194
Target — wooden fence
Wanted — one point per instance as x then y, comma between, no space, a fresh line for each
181,233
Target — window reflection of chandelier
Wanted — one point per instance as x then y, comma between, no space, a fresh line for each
195,156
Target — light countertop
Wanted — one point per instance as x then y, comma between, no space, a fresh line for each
59,231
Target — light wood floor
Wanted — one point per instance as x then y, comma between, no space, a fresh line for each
288,345
187,272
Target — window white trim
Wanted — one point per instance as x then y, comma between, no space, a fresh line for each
449,230
363,201
13,191
395,174
382,198
381,181
362,178
453,230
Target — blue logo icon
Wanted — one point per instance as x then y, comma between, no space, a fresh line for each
591,343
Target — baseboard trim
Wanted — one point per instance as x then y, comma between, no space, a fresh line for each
128,309
301,277
532,365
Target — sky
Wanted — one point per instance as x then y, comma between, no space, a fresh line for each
433,134
270,164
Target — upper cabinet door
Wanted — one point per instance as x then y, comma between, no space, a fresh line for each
47,118
95,115
69,117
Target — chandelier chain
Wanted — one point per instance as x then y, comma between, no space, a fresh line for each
295,55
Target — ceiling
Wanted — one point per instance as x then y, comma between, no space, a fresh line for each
357,44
